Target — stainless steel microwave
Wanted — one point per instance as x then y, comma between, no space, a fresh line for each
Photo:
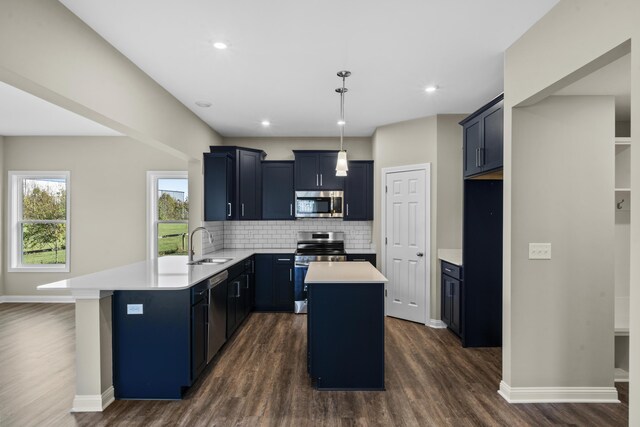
319,204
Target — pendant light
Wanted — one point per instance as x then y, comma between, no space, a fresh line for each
341,165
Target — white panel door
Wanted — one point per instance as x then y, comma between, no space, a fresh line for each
406,264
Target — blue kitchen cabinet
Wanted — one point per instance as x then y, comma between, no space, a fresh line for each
483,139
240,294
274,282
277,190
233,183
362,258
152,350
358,191
315,170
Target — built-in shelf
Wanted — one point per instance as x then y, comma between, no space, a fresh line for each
619,190
623,140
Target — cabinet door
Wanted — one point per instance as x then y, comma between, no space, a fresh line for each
277,190
472,144
249,185
358,192
218,187
199,321
446,300
456,312
283,284
492,133
264,282
306,169
233,291
327,170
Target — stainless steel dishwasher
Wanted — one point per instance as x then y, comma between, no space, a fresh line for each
217,319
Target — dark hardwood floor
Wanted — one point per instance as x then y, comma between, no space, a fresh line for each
260,378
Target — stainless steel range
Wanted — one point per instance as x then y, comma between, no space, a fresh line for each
314,246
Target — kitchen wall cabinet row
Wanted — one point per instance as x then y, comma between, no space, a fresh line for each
239,185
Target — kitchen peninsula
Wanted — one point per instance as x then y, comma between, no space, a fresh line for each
111,304
345,327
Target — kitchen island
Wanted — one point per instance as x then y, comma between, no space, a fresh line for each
345,326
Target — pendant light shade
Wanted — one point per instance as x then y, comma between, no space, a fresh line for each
342,165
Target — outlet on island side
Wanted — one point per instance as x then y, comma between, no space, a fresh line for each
134,309
539,250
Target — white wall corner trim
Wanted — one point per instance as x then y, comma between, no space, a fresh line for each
437,324
93,403
49,299
558,394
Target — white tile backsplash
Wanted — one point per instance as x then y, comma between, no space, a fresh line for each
283,234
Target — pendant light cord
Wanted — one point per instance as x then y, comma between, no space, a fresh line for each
342,112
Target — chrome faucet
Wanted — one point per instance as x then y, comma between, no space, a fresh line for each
191,251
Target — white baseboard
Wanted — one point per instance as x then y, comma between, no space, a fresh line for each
558,394
436,324
38,298
93,402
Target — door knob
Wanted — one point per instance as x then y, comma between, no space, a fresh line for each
420,254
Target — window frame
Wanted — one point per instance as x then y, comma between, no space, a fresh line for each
152,207
14,242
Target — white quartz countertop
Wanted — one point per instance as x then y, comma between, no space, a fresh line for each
166,273
454,256
343,272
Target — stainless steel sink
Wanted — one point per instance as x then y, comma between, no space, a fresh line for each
210,261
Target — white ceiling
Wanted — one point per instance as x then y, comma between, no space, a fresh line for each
612,79
24,114
284,56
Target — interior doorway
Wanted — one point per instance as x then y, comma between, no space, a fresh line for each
406,241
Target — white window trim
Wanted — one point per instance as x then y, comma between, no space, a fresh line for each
14,264
152,206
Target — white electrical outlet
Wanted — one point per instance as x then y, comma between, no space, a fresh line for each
539,250
134,309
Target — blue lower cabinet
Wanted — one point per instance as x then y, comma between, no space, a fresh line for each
345,336
274,282
152,344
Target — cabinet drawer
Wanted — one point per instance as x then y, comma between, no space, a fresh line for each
282,259
198,292
451,270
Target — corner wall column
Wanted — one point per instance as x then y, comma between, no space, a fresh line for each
94,366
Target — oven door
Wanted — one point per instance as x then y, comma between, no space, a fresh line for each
299,288
319,204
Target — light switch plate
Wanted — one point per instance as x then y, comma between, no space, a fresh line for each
539,250
134,309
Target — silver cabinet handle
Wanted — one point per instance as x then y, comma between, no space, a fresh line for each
317,185
480,156
347,209
420,254
290,209
284,259
477,151
229,204
448,270
290,275
320,180
238,289
243,209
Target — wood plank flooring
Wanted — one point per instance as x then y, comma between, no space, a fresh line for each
260,379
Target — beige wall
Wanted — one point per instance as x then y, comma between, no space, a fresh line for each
436,140
49,52
108,199
569,42
562,319
2,172
280,148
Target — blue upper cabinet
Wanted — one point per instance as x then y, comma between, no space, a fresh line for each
483,139
277,190
233,183
358,191
316,170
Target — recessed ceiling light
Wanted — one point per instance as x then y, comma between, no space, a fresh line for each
220,45
341,123
203,104
431,89
265,123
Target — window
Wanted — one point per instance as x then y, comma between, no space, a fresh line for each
168,212
39,221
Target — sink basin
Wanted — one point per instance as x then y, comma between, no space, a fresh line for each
210,261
